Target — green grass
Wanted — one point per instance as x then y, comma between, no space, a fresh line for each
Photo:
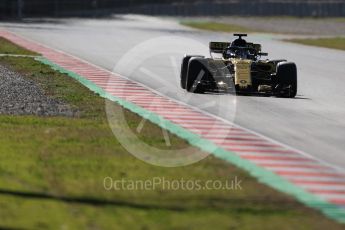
333,43
340,19
52,171
216,26
7,47
337,19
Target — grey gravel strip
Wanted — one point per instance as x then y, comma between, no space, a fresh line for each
19,96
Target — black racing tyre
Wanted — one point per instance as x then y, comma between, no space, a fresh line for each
197,69
287,79
184,69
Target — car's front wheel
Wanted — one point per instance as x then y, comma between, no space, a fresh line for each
197,70
184,69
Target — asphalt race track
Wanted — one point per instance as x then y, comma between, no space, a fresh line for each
314,122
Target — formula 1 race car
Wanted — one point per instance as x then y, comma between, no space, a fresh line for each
238,69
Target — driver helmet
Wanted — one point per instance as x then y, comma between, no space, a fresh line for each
239,42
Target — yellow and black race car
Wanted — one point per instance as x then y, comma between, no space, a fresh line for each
238,69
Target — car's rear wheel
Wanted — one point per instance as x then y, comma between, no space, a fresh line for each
197,70
286,79
184,69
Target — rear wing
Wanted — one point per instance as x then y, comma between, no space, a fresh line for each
219,47
257,47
